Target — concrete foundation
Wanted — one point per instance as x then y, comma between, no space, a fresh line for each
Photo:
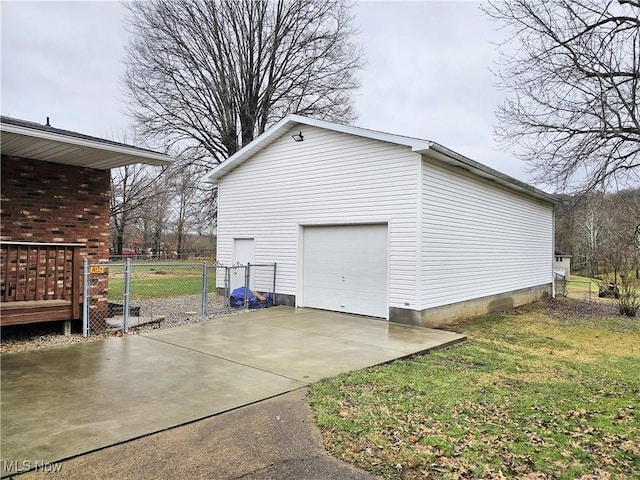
286,300
447,314
438,317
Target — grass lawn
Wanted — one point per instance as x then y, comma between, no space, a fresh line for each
583,287
160,281
532,394
582,283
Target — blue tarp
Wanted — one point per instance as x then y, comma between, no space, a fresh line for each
237,299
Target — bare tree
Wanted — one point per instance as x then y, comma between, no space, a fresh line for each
572,71
602,232
591,233
153,219
208,76
566,223
130,190
626,215
186,200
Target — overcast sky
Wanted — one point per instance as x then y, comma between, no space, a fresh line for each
428,72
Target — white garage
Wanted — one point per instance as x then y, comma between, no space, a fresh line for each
345,269
383,225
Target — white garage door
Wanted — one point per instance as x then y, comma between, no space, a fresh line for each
345,269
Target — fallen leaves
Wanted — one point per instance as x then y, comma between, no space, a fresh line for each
497,407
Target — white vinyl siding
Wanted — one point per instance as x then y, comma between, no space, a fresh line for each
479,238
330,178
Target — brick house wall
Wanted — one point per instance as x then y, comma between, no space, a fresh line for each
51,202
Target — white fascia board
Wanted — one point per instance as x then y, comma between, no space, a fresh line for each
245,152
292,120
414,143
450,157
423,147
159,158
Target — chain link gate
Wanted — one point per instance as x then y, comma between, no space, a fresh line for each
95,300
560,284
259,277
125,295
120,296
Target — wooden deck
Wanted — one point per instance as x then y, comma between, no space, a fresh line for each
39,282
35,311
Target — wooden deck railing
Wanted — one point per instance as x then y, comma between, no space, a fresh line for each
39,282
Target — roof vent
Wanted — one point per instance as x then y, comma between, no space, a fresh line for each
48,124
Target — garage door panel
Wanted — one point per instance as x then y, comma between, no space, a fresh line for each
345,269
346,302
348,277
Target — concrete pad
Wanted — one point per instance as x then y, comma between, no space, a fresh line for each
71,400
370,331
305,345
286,352
64,401
273,439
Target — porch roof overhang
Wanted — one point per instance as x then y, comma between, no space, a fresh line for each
20,138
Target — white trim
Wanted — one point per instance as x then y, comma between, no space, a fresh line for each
419,233
288,122
299,265
42,244
553,247
160,158
425,147
301,294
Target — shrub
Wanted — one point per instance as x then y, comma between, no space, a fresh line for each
628,299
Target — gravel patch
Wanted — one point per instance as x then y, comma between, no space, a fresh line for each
602,314
177,311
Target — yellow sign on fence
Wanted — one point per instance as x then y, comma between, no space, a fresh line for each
96,269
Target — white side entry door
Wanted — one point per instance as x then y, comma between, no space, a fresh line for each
244,252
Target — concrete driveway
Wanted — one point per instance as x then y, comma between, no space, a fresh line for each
67,401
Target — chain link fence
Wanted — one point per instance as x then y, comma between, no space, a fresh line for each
584,290
124,295
560,284
259,277
164,256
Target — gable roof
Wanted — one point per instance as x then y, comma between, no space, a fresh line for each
424,147
20,138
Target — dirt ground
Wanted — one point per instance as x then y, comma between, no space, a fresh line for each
569,308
